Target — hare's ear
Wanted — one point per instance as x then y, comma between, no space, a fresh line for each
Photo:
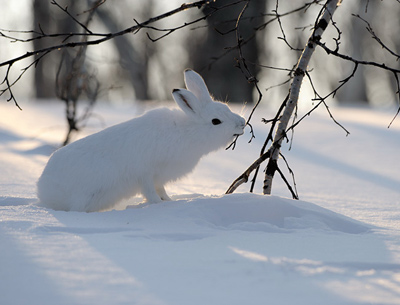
186,101
195,84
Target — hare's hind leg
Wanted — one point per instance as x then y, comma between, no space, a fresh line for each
162,193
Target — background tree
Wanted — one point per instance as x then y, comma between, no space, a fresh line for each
44,81
208,54
74,78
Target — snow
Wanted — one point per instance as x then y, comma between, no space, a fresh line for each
340,244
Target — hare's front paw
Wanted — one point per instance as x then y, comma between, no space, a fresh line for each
162,193
150,193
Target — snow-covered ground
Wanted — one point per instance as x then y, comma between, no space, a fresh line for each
339,245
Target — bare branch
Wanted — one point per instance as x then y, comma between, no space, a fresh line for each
171,30
360,62
261,27
95,6
278,17
270,137
375,37
382,66
64,45
109,36
242,65
263,156
42,35
65,10
294,193
245,176
398,94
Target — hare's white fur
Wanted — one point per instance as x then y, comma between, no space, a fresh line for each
139,156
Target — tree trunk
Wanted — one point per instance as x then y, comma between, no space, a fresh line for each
356,92
130,59
224,81
44,84
50,21
299,73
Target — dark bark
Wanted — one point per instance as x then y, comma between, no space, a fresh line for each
44,79
130,60
223,81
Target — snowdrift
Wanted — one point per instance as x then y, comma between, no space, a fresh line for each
251,212
343,248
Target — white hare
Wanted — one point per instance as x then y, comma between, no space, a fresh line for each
141,155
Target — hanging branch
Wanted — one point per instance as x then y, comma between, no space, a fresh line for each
65,45
287,107
65,10
375,37
293,190
275,16
394,71
250,77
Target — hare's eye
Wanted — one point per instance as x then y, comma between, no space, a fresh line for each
216,121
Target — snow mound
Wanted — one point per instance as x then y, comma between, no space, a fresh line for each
232,249
251,212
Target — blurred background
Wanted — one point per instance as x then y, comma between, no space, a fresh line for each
133,68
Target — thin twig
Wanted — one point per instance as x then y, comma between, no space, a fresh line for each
375,37
293,190
278,17
65,10
269,138
360,62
